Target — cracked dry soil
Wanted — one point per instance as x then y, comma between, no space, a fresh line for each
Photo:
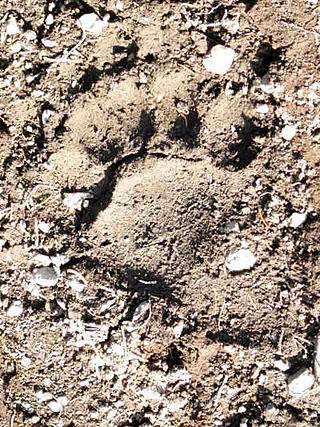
183,169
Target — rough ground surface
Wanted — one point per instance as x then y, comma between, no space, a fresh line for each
162,333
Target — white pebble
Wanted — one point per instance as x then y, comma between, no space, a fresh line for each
178,329
240,260
44,227
30,35
49,19
15,309
25,362
75,201
15,47
301,382
91,23
12,27
43,260
45,276
76,285
219,60
55,406
46,116
297,219
281,365
289,132
262,108
48,43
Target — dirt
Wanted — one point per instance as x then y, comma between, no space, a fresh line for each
181,169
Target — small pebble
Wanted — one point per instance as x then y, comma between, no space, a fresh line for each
49,19
282,366
44,227
55,406
301,382
15,47
289,132
297,219
230,227
91,23
240,260
12,27
30,35
45,276
15,309
262,108
48,43
46,116
178,329
219,60
76,201
25,362
76,285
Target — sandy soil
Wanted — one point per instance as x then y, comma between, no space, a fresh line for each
143,324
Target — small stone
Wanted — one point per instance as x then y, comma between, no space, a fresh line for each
48,43
230,227
301,382
30,35
25,362
15,309
241,260
289,132
262,108
43,260
35,419
281,365
76,285
76,201
45,276
297,219
91,23
49,19
12,27
15,47
178,329
219,60
55,406
46,116
44,227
